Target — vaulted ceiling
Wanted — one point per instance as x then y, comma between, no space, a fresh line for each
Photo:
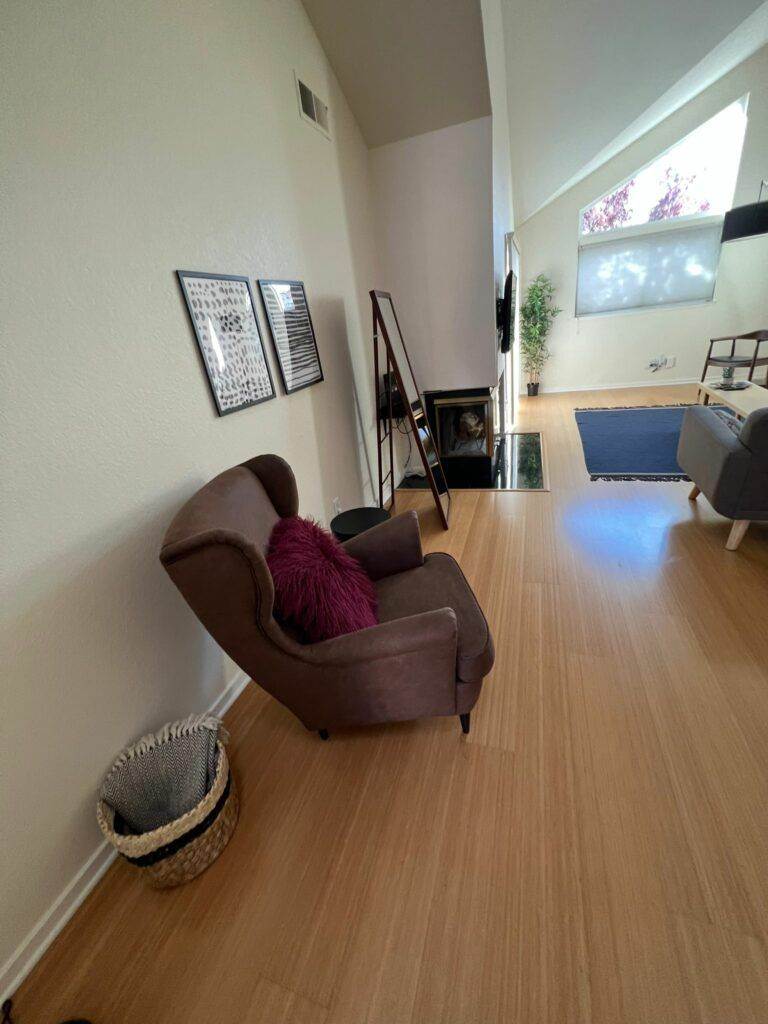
406,66
584,77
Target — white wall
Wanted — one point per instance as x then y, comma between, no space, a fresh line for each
503,216
614,349
503,210
140,138
580,75
434,222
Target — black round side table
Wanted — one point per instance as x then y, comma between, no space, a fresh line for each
347,525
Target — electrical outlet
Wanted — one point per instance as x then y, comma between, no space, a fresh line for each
336,503
671,361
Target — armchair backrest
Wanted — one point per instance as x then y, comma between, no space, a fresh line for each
754,435
214,551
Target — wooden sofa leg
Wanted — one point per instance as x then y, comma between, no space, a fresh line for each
695,492
465,723
736,535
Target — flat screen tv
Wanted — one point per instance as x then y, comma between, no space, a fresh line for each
505,313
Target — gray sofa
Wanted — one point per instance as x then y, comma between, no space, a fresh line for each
730,468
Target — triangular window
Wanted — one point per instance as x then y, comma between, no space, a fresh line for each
694,176
654,239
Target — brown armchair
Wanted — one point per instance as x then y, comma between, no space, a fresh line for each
428,655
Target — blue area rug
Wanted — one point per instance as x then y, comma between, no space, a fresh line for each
632,443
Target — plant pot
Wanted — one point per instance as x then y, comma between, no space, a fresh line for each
533,389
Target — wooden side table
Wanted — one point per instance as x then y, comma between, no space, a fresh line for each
742,402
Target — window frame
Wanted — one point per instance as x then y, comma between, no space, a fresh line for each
652,227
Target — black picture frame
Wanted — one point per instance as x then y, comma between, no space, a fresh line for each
258,354
290,351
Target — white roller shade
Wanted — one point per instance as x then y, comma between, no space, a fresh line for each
648,268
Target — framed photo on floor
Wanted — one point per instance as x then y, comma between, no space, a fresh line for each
223,316
292,333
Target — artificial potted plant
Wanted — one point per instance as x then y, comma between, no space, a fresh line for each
536,315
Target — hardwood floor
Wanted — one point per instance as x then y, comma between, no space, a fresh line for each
595,851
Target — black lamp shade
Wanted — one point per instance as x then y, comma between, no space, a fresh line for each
743,221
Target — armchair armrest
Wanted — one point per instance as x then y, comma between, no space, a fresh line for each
394,639
390,547
393,672
714,458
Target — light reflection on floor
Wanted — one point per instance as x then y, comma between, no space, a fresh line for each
623,533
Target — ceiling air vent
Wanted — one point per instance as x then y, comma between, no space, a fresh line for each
312,108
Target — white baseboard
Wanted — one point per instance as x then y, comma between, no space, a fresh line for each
614,387
229,694
32,947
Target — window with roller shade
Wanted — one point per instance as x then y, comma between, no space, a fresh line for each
654,240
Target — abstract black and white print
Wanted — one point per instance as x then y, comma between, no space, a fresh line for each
292,333
223,315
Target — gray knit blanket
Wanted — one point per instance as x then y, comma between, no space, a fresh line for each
165,774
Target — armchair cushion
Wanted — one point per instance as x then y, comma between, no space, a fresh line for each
440,583
319,587
390,547
730,419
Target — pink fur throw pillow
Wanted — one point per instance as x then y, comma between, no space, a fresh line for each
318,586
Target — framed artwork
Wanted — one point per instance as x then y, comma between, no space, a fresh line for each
223,315
292,333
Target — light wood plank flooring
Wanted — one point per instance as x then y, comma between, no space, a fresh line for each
595,851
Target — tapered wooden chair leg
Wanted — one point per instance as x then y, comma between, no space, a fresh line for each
735,537
695,492
465,723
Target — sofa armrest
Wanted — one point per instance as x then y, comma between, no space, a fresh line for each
390,547
412,634
714,458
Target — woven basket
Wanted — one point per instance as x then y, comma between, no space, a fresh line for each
182,849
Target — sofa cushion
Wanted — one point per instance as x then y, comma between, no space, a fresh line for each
440,583
731,421
319,587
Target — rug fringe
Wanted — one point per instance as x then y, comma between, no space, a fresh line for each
651,478
608,408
